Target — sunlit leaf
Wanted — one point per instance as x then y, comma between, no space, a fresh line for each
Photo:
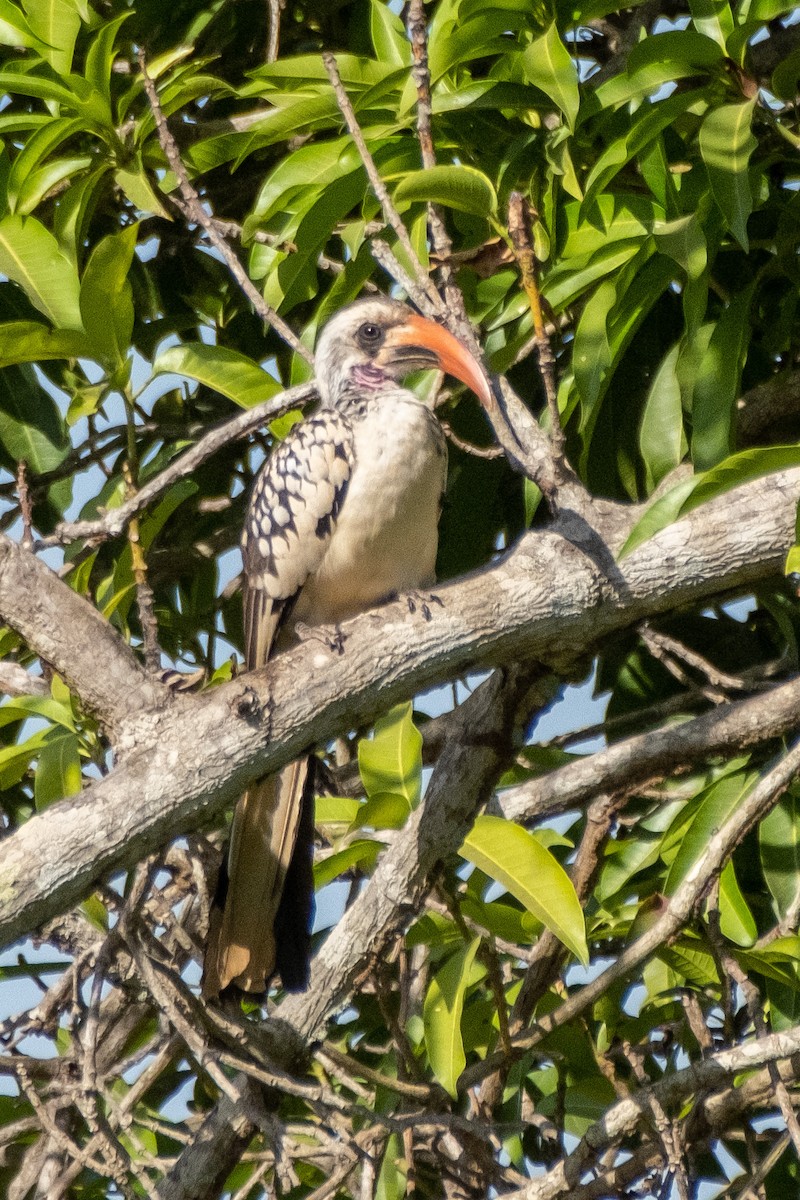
509,854
442,1011
225,370
391,760
726,143
30,255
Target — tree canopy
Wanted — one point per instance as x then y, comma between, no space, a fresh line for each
542,966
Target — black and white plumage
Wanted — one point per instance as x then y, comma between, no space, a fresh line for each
343,515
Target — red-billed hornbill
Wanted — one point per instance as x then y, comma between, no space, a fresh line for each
343,515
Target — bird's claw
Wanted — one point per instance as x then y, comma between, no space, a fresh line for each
331,636
421,602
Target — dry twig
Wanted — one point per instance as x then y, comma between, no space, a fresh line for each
199,215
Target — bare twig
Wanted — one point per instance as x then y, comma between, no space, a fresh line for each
274,9
385,256
519,227
440,240
469,447
144,593
682,904
115,520
202,218
390,213
25,506
15,681
661,642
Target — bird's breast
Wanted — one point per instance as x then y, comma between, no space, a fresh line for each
386,534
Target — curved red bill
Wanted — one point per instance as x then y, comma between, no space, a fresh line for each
454,359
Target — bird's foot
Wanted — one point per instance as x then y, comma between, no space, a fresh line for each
331,636
421,602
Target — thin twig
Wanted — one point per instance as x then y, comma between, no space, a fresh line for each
202,218
519,228
116,519
274,9
25,506
385,256
144,593
390,213
469,447
442,246
716,677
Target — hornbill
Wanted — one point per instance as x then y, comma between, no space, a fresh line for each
343,515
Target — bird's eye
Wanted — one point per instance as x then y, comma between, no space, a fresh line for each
370,335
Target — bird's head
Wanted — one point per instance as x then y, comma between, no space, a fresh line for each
377,340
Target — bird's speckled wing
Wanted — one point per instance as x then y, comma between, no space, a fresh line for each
292,515
293,511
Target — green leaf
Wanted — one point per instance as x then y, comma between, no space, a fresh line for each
460,187
647,124
136,186
106,298
31,427
717,803
30,255
58,771
383,810
391,1181
226,371
100,56
736,920
15,760
442,1011
29,341
548,65
661,436
785,77
38,147
512,856
56,23
57,712
74,211
336,810
779,843
689,493
362,854
726,143
391,760
388,35
14,29
716,383
712,18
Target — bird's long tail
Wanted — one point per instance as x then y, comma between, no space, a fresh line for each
260,921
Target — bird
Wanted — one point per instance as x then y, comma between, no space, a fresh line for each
343,516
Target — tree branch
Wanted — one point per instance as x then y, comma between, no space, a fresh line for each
547,600
193,208
115,520
69,634
627,765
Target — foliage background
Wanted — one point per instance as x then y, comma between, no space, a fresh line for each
657,148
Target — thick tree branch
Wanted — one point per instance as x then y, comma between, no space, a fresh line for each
72,636
629,764
548,600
